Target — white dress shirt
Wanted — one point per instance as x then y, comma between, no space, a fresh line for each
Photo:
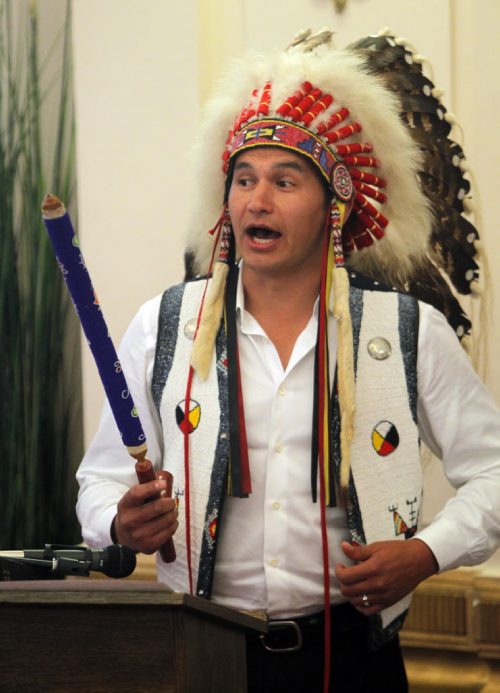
269,550
274,536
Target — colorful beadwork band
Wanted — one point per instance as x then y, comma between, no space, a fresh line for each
281,133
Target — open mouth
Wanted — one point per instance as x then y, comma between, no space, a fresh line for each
262,234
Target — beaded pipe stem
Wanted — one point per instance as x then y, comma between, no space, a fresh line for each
77,278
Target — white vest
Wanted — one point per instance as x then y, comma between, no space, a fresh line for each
386,485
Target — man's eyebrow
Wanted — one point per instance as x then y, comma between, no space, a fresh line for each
295,165
242,164
288,164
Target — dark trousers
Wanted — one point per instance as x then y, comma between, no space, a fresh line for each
355,667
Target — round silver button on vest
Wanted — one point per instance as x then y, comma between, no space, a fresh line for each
190,328
379,348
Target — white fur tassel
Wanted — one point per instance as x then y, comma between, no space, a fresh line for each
345,369
204,343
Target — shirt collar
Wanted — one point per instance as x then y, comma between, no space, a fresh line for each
247,321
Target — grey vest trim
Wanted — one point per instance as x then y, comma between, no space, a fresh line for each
356,310
168,329
353,512
408,335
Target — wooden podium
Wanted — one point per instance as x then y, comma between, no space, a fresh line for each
107,635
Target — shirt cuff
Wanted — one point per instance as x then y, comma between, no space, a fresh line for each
450,547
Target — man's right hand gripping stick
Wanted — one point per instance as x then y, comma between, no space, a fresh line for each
145,472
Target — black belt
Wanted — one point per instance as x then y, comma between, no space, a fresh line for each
291,635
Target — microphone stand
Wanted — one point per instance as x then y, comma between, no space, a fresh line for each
60,560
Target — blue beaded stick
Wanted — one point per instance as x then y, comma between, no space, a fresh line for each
76,275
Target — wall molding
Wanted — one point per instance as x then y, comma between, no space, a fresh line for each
451,638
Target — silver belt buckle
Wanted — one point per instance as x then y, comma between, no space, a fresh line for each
280,624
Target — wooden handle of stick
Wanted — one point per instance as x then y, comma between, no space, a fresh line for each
145,472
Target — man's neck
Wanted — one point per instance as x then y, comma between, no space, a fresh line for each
269,294
281,305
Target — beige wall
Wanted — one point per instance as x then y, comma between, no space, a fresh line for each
136,75
143,66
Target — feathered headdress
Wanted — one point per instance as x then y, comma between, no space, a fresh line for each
374,126
359,99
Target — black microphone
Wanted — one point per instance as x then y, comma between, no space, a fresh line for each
57,560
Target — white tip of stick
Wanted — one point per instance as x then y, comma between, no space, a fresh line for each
52,207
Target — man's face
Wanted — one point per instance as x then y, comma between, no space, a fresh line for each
277,205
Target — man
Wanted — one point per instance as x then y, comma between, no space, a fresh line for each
292,422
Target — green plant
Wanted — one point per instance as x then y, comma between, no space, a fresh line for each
40,384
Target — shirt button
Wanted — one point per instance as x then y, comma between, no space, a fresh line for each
274,562
279,447
282,391
276,505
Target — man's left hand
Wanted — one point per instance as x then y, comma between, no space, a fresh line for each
384,572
